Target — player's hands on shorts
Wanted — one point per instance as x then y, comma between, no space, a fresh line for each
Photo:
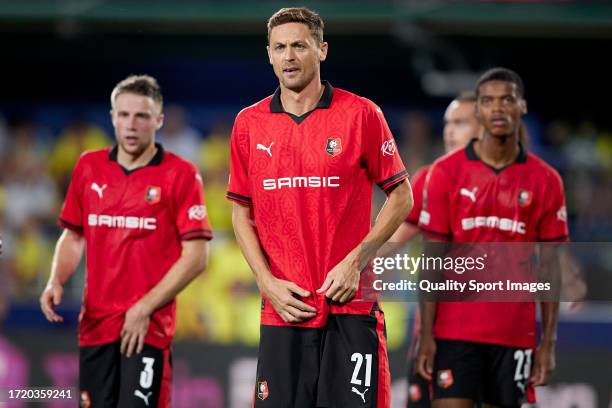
51,297
282,295
425,356
544,364
342,282
134,330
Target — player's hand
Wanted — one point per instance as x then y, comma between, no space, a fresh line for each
342,282
51,297
544,365
425,356
282,296
134,329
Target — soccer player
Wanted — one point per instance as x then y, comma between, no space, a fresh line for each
303,162
138,212
460,126
477,351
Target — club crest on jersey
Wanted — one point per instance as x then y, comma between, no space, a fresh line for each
333,146
524,198
414,393
85,399
153,194
262,390
445,378
388,148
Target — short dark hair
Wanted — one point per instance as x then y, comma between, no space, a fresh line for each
467,96
502,74
298,15
144,85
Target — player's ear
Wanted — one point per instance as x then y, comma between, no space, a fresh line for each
160,121
523,104
269,56
323,51
110,112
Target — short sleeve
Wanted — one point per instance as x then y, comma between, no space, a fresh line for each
418,184
552,225
191,217
382,160
71,216
239,188
434,219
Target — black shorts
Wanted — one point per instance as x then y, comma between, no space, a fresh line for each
419,389
490,373
344,364
109,379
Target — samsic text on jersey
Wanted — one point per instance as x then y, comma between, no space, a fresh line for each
309,180
468,201
133,223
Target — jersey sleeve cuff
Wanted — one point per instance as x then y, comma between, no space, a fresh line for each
562,238
196,234
239,198
387,185
72,227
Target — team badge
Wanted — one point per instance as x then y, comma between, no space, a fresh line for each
262,390
85,400
445,378
562,214
388,148
524,198
333,146
197,212
153,194
414,393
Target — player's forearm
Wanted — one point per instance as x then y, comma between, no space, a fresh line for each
550,316
390,217
192,262
67,256
249,243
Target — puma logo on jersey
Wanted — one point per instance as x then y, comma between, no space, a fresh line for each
267,149
521,387
361,394
471,194
100,190
145,398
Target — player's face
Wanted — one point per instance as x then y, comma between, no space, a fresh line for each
136,118
295,55
499,108
460,125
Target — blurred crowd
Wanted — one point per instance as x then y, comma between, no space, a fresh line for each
221,306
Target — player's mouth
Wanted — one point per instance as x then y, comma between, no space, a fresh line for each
291,71
499,122
131,140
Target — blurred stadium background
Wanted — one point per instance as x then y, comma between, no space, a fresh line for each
60,60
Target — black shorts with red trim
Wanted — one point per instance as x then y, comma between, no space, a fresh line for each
343,364
488,373
419,389
109,379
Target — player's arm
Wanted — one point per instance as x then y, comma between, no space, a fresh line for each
342,282
428,306
192,262
544,362
68,253
280,293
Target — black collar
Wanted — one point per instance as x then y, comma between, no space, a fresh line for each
471,155
276,106
155,161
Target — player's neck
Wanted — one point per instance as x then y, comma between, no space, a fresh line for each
497,152
132,161
298,103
